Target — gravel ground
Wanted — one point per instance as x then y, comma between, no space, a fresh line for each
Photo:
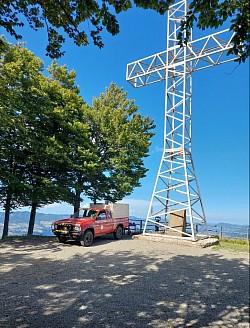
126,283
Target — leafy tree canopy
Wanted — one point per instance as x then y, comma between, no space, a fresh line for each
42,131
122,138
213,13
84,20
19,75
54,147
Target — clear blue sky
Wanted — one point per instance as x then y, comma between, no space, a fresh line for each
220,112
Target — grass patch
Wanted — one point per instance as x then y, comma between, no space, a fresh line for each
235,245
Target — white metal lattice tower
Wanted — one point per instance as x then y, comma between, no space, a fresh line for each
176,187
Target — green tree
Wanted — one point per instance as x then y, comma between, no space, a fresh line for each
63,138
18,69
81,20
12,182
122,138
42,132
80,159
214,13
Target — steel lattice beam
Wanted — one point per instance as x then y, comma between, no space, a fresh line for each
201,53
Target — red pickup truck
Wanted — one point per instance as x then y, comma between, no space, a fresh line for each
88,223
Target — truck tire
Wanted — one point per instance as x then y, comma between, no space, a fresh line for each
87,238
61,239
118,233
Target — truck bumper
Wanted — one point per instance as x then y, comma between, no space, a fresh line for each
73,235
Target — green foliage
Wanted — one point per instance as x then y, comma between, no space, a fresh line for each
42,131
29,136
69,16
122,137
18,69
213,14
78,155
54,147
84,20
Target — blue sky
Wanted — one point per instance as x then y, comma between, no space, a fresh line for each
220,112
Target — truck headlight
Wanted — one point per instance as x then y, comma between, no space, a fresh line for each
77,228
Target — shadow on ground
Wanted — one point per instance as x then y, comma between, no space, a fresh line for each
97,287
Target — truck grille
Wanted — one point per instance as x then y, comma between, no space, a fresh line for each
64,227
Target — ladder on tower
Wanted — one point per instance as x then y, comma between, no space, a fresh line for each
176,201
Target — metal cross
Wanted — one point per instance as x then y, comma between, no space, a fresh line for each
176,187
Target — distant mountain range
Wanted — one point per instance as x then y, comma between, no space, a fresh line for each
20,216
223,224
19,225
19,221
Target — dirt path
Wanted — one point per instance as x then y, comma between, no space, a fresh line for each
127,283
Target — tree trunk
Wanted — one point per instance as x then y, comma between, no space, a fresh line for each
78,191
32,219
77,200
6,217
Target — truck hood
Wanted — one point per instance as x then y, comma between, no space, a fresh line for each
74,221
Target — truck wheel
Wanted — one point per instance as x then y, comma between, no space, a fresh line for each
87,238
62,239
118,233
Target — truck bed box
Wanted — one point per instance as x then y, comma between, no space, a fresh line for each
118,210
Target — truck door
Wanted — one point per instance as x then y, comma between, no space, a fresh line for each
101,223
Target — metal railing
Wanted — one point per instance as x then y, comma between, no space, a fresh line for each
222,231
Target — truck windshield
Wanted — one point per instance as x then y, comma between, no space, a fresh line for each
85,213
